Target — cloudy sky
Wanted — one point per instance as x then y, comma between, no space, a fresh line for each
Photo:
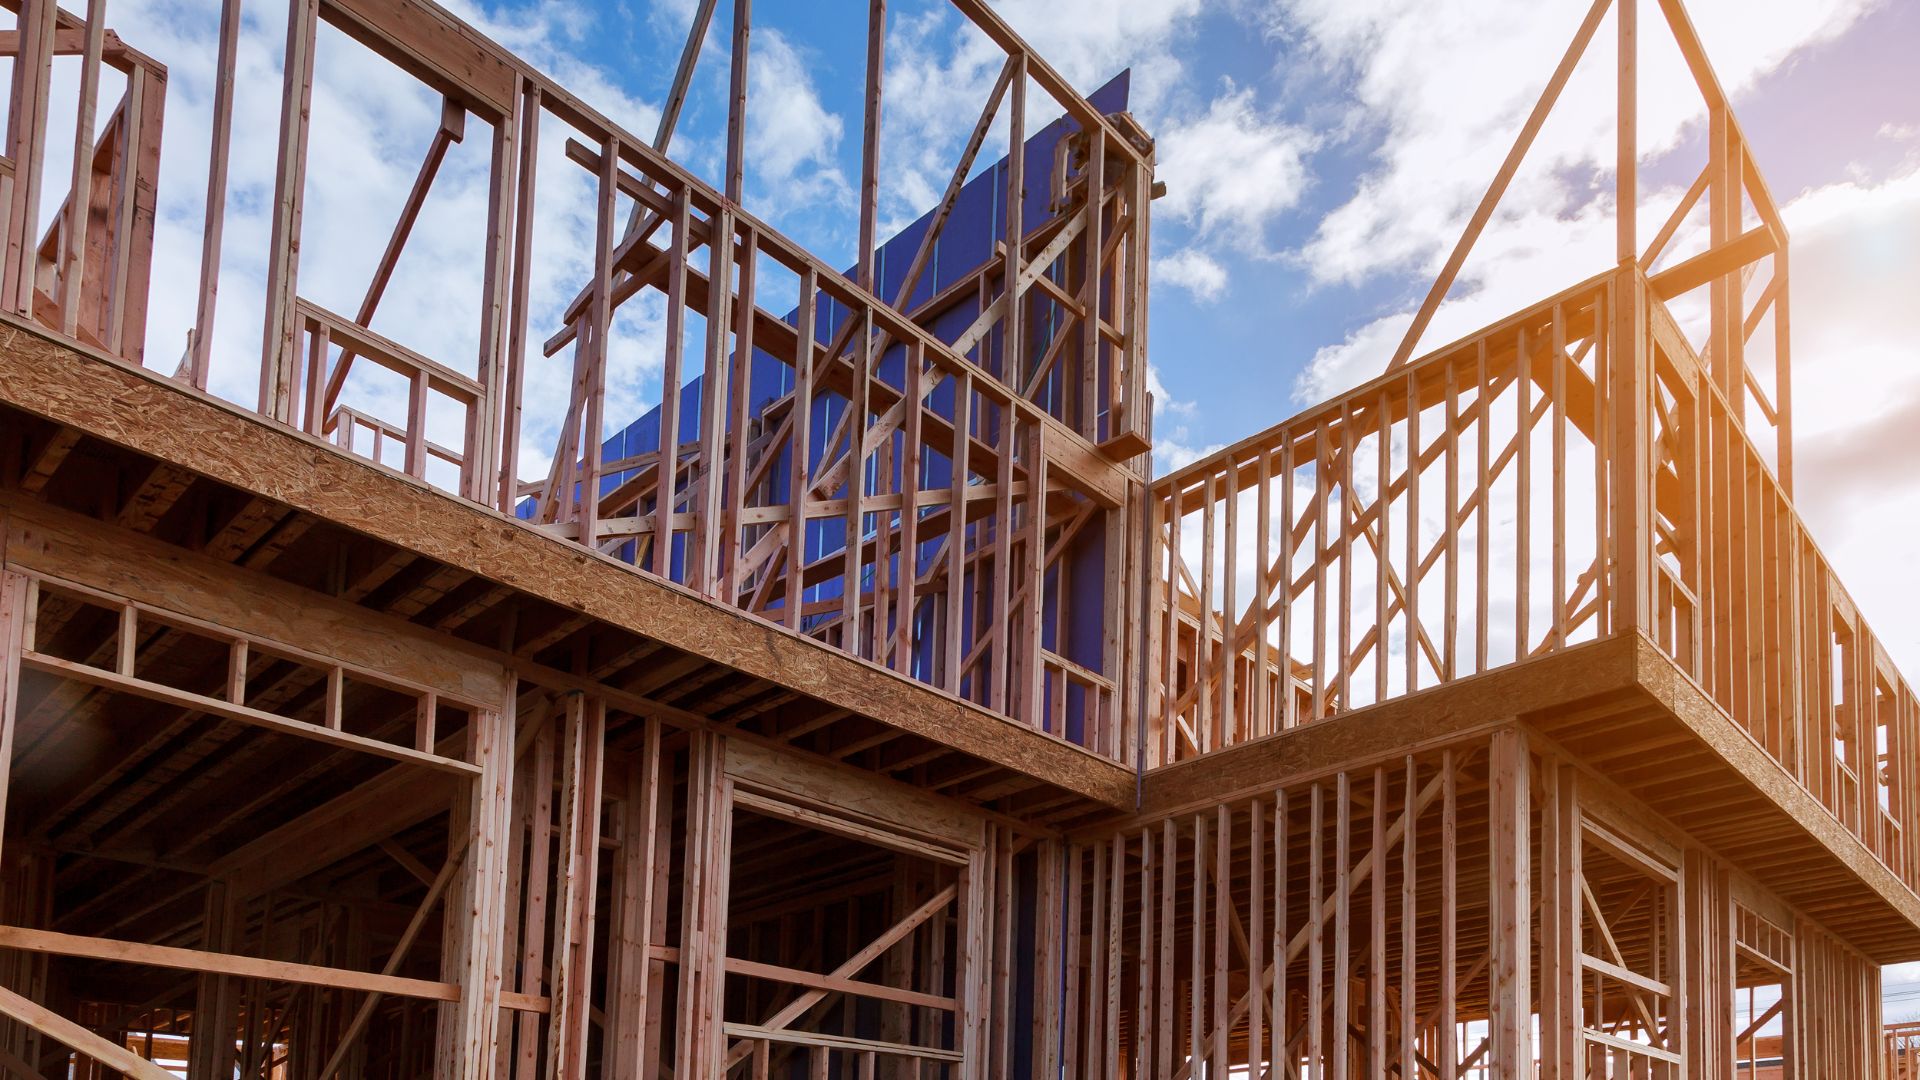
1320,158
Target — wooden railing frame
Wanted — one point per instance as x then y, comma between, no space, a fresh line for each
1705,557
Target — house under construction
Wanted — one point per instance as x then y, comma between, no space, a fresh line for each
870,709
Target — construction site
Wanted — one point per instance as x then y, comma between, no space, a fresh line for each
870,706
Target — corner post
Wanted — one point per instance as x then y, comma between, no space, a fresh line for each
480,963
700,1045
1561,1019
480,473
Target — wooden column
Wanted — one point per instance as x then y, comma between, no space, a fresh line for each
1783,374
480,479
1012,325
635,978
1049,957
583,740
703,555
479,964
867,273
1032,616
72,257
973,970
1704,927
27,144
513,379
278,359
1627,150
201,347
450,1018
703,909
592,400
1734,182
26,879
211,1052
137,202
1510,1023
1629,372
1560,915
535,818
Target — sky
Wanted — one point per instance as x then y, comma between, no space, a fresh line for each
1320,157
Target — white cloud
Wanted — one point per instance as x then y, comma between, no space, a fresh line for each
940,70
1856,270
1231,170
1535,254
1444,129
1856,267
1446,125
1194,271
371,125
1089,41
793,142
1179,438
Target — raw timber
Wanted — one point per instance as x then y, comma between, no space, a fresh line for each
869,708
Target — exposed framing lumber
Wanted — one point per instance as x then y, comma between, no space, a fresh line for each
845,682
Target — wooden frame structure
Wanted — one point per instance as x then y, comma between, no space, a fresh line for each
1497,717
921,499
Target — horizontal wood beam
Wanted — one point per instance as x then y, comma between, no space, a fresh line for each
841,1042
137,409
53,943
1751,246
753,969
66,545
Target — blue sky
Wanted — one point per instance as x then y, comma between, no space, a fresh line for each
1321,157
1287,99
